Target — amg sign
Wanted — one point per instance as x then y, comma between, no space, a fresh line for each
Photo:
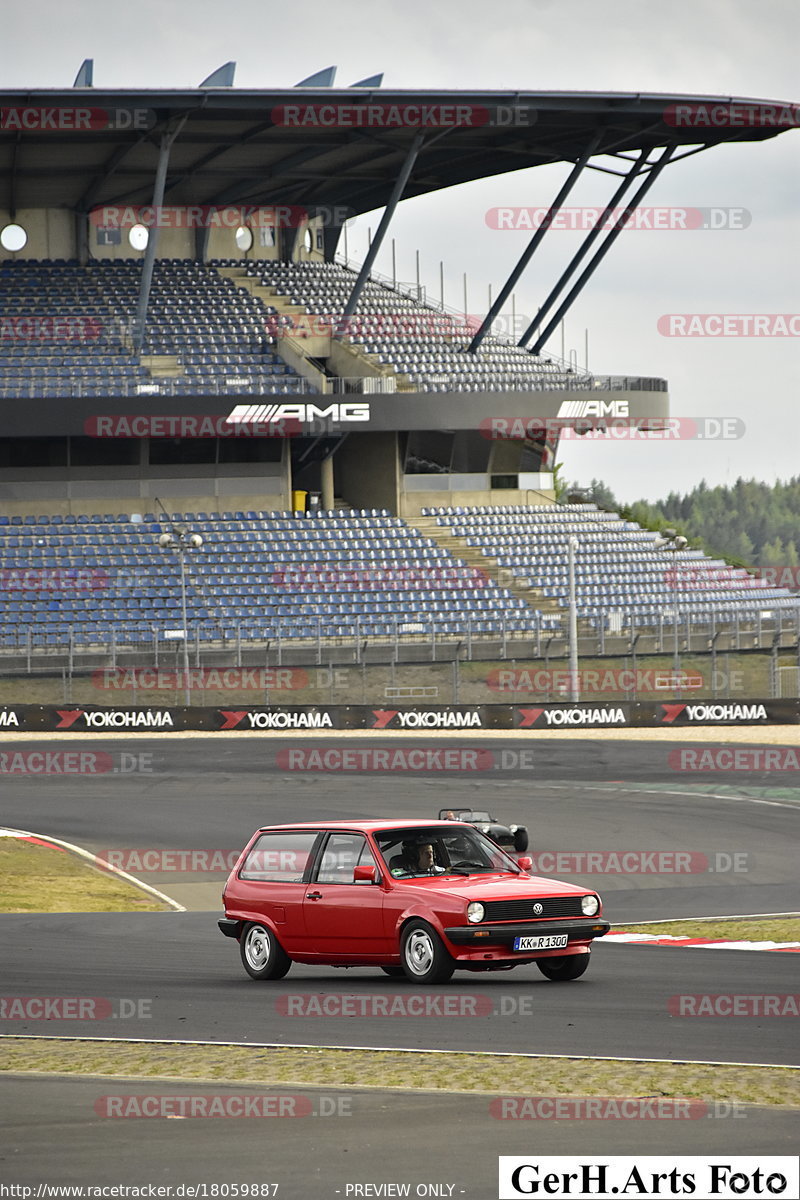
593,408
249,414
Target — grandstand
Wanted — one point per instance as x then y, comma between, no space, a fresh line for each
323,431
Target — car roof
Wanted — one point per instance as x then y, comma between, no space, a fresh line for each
363,826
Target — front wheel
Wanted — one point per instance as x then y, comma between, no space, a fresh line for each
393,972
566,966
263,957
425,959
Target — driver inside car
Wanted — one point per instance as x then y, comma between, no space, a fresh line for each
417,859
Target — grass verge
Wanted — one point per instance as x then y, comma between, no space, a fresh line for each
746,929
450,1072
39,879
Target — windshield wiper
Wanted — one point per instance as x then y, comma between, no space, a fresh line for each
468,870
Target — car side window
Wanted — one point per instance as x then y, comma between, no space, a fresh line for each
343,852
279,857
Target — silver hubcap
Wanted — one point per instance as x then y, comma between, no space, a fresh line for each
419,952
256,948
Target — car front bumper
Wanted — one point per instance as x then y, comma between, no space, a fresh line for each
475,936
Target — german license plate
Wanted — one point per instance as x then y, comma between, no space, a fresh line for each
554,942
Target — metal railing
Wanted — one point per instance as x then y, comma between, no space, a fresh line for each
240,386
542,636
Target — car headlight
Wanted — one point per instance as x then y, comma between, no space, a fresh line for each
590,905
475,912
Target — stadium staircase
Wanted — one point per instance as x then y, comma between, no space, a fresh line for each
460,547
392,331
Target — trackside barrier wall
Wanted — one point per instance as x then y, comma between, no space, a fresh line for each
35,718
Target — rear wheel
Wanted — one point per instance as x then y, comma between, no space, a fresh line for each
567,966
263,957
521,841
425,959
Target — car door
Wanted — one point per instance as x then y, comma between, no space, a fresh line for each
342,918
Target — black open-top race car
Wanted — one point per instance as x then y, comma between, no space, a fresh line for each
513,837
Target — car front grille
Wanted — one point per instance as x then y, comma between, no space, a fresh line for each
522,910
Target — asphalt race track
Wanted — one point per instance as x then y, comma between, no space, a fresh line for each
376,1137
581,795
195,987
210,794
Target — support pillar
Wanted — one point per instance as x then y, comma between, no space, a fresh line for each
327,485
588,271
533,244
581,253
167,139
388,213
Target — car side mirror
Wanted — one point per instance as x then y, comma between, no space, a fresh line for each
365,873
525,861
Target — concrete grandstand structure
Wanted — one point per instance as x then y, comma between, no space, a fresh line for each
176,326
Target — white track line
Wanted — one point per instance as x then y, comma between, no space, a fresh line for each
97,862
637,791
733,917
678,1062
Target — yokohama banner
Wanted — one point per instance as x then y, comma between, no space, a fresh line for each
540,718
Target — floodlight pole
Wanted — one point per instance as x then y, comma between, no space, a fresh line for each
574,683
669,539
181,552
676,650
179,539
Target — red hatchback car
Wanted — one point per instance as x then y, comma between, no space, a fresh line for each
414,898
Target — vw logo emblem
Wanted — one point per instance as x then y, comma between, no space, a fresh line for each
538,909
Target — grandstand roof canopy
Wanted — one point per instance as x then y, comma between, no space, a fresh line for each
323,146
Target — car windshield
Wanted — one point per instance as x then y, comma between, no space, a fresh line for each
434,850
465,814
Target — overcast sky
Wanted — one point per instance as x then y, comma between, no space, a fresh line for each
718,47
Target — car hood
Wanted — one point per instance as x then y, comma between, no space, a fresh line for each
496,887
